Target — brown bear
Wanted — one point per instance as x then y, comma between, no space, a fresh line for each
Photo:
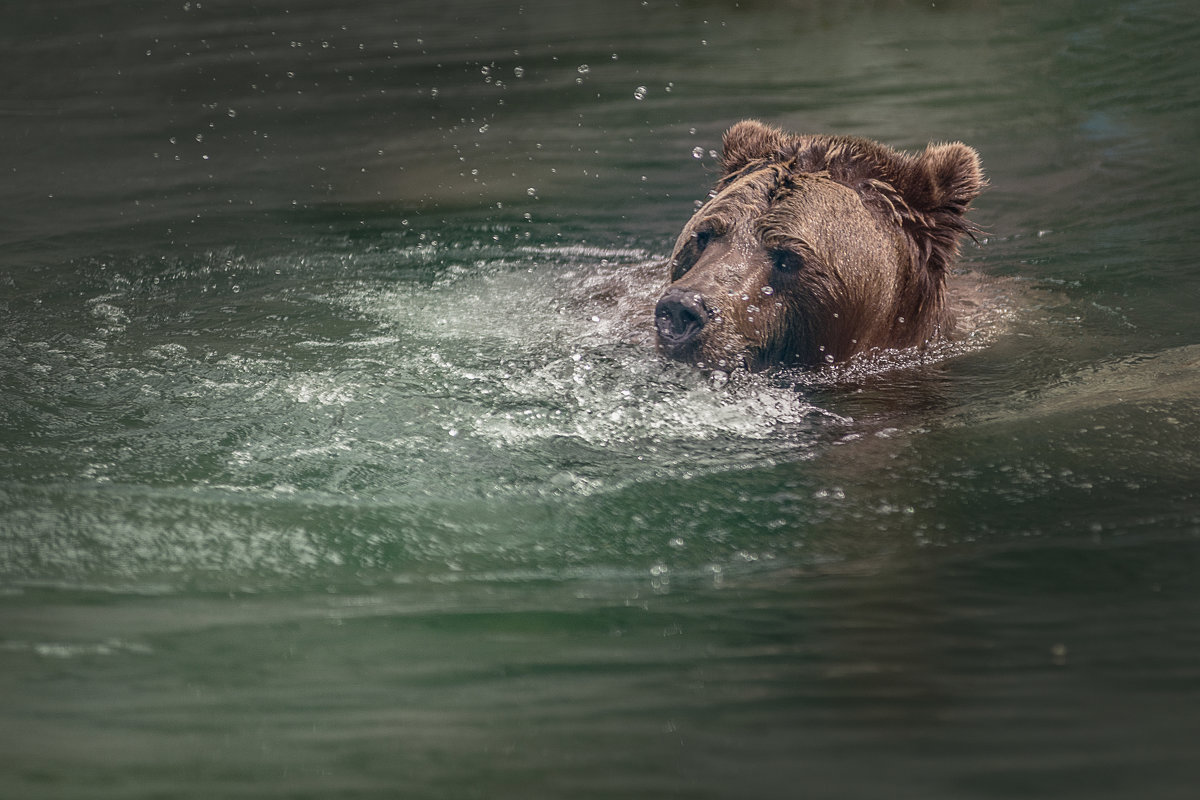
812,249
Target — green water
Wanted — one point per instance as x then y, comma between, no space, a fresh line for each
336,459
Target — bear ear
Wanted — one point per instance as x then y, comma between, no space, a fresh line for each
747,141
944,179
936,188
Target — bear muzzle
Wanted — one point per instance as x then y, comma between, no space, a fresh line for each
679,318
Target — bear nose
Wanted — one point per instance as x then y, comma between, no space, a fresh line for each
680,316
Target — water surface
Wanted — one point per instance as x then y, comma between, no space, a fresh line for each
336,459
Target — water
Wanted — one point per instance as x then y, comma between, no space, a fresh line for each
335,458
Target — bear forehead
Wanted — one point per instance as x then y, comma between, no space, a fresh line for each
774,196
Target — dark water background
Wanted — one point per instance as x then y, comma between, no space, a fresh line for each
331,467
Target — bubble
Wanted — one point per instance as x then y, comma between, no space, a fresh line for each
519,72
583,69
639,93
531,191
697,152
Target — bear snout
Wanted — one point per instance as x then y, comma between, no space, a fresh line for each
679,318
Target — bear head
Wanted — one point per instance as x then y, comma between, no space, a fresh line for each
811,249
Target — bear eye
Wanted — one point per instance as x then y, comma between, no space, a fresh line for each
787,262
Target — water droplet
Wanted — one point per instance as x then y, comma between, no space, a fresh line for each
486,70
697,152
900,320
752,309
768,290
232,113
433,92
519,72
199,137
583,69
829,359
639,93
531,191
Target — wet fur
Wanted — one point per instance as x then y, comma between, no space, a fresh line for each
875,229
